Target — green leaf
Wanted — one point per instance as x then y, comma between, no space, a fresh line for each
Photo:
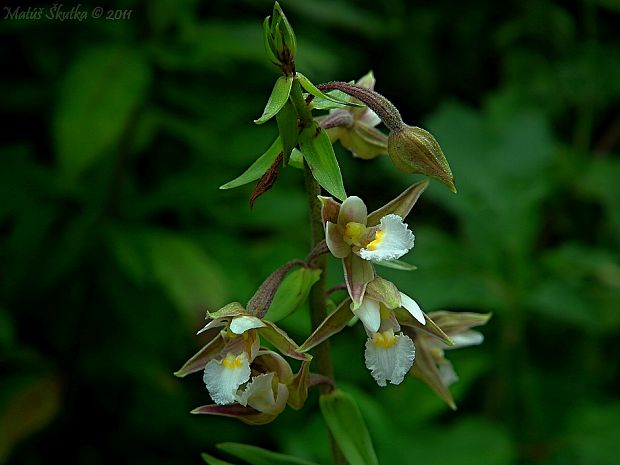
333,97
98,96
212,460
345,421
396,265
318,151
258,456
332,102
277,99
287,125
258,168
292,293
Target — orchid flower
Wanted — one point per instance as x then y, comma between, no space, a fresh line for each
432,367
244,380
361,239
355,128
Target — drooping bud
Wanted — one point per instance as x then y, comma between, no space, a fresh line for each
414,150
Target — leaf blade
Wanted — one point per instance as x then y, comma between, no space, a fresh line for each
318,152
277,99
258,168
345,421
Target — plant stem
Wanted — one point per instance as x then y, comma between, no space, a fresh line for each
316,299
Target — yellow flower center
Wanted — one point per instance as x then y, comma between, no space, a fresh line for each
354,233
377,240
384,340
231,361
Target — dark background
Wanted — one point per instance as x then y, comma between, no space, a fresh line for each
115,237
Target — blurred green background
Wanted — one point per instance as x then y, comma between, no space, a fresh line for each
115,237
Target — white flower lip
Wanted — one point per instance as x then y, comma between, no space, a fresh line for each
396,240
224,377
390,363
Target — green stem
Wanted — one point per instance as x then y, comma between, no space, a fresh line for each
316,299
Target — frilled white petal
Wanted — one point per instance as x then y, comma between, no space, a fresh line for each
224,377
389,357
412,307
258,394
240,324
392,240
447,375
370,314
466,339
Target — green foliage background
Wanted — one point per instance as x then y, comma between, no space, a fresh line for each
115,237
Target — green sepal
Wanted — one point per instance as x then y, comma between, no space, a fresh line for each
202,357
298,388
258,168
318,152
277,99
332,324
425,368
292,293
289,130
401,205
314,90
258,456
384,291
430,327
282,341
230,310
344,420
458,322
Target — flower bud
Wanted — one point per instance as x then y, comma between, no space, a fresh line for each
414,150
280,41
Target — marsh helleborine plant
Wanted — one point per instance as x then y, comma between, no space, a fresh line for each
255,383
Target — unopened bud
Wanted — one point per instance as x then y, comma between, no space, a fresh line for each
280,41
414,150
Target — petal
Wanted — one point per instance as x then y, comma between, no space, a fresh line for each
367,81
412,307
369,313
335,241
446,373
466,339
241,324
352,210
394,242
389,359
224,377
358,273
329,209
369,118
258,394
